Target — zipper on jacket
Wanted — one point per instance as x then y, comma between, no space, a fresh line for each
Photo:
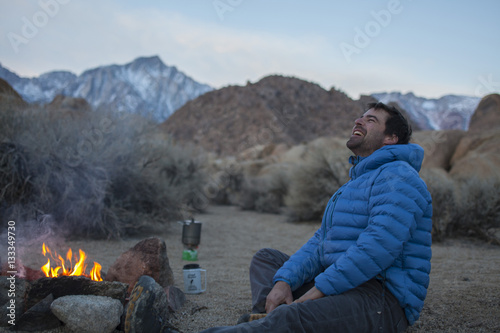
334,203
331,209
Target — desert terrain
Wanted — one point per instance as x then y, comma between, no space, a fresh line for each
464,292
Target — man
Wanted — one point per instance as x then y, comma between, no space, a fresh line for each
367,268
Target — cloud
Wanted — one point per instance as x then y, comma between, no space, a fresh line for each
87,34
218,54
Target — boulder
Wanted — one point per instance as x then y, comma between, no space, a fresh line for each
148,257
439,146
147,311
477,154
487,114
175,297
88,313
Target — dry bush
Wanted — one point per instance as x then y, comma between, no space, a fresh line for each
478,212
444,202
96,174
314,181
225,184
264,193
465,207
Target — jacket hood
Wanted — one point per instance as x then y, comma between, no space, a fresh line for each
410,153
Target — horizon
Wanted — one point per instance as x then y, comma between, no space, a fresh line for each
357,47
215,88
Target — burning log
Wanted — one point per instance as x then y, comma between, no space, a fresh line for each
68,269
73,285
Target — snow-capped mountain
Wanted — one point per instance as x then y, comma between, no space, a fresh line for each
149,87
447,112
146,86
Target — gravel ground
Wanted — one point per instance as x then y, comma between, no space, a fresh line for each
464,292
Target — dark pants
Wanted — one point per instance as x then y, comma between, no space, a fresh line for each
369,307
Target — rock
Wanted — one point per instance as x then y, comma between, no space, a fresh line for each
256,152
477,154
148,257
88,313
175,298
39,317
439,146
487,114
74,285
147,311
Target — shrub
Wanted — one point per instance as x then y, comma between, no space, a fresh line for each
478,212
444,202
314,181
224,184
265,193
465,207
98,174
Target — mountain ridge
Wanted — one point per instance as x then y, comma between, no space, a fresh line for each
146,86
149,87
445,112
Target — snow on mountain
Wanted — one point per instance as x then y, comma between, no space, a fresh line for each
447,112
149,87
145,86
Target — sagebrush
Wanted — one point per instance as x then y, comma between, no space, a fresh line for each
99,174
314,181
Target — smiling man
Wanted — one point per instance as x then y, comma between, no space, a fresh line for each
367,267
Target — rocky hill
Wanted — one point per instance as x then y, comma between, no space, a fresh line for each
275,109
145,86
9,98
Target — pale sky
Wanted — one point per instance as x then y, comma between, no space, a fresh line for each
431,48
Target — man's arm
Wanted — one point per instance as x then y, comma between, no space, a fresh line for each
303,265
313,293
280,294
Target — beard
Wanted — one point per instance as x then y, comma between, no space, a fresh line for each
365,145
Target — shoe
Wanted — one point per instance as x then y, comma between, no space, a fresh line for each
251,317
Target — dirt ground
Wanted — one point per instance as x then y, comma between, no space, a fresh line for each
464,292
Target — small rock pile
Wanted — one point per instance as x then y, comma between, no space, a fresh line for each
137,296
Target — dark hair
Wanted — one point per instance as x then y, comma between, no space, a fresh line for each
396,124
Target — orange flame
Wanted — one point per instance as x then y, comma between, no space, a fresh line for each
77,270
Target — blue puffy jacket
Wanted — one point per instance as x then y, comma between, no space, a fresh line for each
377,224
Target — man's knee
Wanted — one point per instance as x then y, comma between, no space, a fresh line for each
269,256
264,253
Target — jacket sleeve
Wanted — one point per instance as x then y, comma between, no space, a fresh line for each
303,265
394,206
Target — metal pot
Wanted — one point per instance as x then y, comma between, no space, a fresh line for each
191,233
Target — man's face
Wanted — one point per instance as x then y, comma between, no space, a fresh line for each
368,133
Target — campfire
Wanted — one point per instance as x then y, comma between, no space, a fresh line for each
65,294
63,268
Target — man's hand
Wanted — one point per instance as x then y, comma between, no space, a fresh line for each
313,293
280,294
